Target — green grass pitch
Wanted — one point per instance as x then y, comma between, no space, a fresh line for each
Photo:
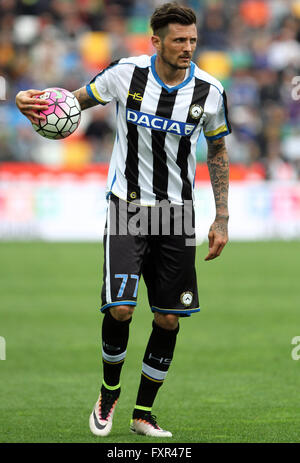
233,378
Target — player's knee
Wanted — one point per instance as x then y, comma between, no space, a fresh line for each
122,312
167,321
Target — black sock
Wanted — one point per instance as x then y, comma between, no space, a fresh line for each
156,362
115,335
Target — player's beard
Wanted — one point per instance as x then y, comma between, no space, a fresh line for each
175,66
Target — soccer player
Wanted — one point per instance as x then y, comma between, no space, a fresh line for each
163,103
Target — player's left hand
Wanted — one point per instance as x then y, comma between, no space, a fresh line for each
217,237
29,104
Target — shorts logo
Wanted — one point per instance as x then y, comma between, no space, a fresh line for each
186,298
163,124
196,111
133,195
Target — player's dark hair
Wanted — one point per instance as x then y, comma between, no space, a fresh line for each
171,13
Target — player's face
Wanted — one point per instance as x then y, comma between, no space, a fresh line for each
178,46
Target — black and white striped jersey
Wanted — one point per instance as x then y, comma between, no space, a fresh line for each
154,154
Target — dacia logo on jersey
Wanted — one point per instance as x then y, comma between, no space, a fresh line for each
159,123
136,96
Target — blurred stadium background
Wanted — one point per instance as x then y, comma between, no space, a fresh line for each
235,359
252,46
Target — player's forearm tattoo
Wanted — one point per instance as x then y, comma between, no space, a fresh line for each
218,166
84,99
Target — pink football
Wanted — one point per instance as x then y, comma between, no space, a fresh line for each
62,116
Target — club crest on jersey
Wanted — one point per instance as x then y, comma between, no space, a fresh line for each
196,111
186,298
160,123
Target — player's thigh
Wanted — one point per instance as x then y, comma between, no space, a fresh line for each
123,257
170,276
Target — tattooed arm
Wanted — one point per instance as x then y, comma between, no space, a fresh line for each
218,166
84,98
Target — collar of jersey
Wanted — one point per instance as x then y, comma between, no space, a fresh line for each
171,89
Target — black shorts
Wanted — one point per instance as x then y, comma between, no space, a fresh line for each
164,258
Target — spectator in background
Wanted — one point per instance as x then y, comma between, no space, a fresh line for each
213,30
258,39
284,50
99,133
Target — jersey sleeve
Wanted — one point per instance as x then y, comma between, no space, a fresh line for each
217,124
102,87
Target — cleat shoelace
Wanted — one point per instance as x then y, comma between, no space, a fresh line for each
106,404
152,420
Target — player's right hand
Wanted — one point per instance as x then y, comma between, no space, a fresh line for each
28,105
217,237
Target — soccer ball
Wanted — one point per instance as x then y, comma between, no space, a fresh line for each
62,116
